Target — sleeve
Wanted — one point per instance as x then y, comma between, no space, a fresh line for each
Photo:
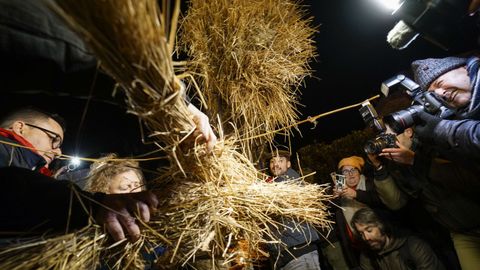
5,155
31,201
370,196
462,137
423,256
388,191
29,29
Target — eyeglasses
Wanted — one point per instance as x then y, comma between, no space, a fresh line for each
351,171
56,138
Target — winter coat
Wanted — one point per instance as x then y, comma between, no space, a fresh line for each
11,156
298,241
402,253
35,203
445,189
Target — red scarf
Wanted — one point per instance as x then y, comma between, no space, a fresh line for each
22,141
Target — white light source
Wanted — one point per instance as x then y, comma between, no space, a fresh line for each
391,5
75,161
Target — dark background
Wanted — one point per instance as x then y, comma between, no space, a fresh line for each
354,58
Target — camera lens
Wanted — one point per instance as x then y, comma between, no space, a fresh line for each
370,147
401,120
374,146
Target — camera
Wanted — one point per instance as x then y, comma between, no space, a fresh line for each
442,22
422,100
381,141
376,145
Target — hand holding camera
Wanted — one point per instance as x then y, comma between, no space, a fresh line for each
425,129
401,154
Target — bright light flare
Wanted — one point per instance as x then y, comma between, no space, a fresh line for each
75,161
390,5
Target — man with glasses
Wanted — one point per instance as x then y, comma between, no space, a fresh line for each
39,134
31,201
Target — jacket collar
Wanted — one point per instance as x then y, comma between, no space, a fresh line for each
31,157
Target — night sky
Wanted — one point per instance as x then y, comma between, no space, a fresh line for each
354,58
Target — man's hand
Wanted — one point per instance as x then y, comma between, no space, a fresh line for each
203,126
118,213
425,129
401,154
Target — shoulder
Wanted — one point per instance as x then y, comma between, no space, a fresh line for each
292,174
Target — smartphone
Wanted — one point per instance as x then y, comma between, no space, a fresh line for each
339,180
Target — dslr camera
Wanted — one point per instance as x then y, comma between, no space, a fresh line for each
422,100
383,139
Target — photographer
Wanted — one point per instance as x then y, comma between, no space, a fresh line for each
455,80
442,188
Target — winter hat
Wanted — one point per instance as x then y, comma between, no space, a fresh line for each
428,70
279,153
353,161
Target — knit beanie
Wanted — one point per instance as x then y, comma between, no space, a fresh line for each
428,70
353,161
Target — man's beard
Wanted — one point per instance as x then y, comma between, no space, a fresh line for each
376,244
278,171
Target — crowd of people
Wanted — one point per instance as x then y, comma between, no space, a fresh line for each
415,207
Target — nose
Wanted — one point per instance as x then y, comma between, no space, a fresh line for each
440,92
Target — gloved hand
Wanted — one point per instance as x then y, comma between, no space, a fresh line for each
425,128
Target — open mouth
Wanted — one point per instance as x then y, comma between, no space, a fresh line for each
449,96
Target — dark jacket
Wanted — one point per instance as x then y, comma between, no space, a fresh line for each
459,138
29,29
402,253
299,240
32,202
445,189
11,156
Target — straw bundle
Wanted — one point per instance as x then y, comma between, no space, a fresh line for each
80,250
233,204
210,200
250,57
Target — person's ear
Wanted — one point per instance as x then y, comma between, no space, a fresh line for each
289,164
18,127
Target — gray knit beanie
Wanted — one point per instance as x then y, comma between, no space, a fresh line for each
428,70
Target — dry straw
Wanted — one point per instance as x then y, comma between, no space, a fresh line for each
209,201
250,57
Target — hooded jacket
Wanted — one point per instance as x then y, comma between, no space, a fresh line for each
402,253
